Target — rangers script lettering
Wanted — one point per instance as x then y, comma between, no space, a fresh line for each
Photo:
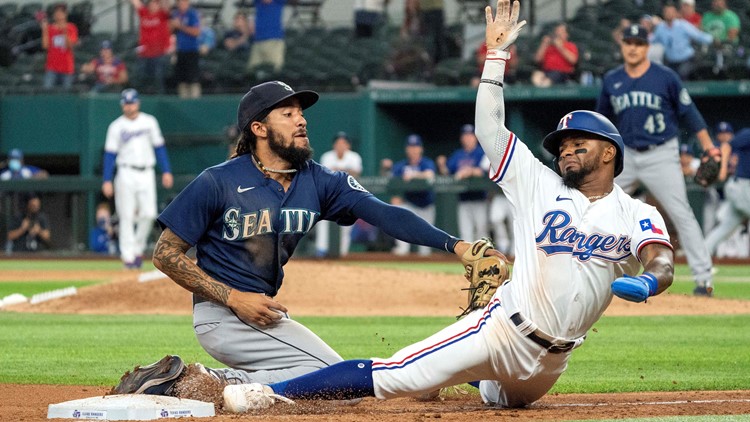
564,238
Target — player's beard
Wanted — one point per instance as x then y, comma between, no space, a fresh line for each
575,178
295,156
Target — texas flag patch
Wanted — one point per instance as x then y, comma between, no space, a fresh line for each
648,225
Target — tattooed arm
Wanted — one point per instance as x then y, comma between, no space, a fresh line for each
170,258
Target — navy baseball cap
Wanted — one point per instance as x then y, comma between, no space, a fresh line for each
414,140
106,45
467,128
635,32
15,153
342,134
263,98
129,96
724,127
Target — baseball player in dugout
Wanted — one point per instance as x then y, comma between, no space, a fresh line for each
134,144
245,217
579,239
646,102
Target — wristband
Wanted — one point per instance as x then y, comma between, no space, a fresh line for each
651,281
496,54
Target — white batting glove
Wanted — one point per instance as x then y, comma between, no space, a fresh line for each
503,29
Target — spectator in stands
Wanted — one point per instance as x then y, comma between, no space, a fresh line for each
109,71
433,27
722,23
207,37
186,25
238,38
17,170
511,65
411,28
31,231
676,35
269,45
59,38
421,202
340,158
687,12
153,43
368,16
557,58
688,162
102,237
655,51
617,32
464,164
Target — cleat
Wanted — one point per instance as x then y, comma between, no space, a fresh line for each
703,291
241,398
158,378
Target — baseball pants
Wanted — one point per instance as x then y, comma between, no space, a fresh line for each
484,345
266,355
323,235
472,219
735,211
135,200
659,170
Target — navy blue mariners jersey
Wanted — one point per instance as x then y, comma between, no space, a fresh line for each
245,227
647,110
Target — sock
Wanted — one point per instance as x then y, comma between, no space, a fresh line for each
345,380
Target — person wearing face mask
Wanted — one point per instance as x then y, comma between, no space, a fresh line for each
31,232
17,170
103,236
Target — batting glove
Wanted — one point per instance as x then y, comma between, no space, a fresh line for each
635,289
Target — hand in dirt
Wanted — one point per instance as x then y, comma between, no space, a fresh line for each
255,308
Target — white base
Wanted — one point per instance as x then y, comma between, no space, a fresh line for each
133,407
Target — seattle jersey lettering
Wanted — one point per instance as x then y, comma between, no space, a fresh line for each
635,99
243,226
561,237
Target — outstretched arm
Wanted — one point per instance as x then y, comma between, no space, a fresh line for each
657,276
502,30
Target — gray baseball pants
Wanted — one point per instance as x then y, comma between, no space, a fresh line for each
658,169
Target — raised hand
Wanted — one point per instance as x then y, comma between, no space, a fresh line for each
502,29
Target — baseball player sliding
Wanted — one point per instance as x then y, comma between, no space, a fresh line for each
580,239
245,218
134,144
646,101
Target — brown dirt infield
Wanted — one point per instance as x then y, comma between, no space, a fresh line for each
330,288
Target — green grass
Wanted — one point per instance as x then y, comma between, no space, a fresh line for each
624,354
67,264
30,288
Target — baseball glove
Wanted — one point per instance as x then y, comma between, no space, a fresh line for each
708,170
484,273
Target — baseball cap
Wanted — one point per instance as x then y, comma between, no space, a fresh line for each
635,32
106,45
690,2
724,127
414,140
685,149
129,96
15,153
467,128
342,134
262,98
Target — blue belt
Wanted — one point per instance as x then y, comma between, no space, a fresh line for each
646,147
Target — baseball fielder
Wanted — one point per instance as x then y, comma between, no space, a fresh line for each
245,218
134,144
645,100
576,239
736,189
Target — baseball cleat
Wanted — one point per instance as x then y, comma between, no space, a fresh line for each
240,398
157,378
703,291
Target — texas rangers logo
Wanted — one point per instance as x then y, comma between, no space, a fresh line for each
564,121
559,236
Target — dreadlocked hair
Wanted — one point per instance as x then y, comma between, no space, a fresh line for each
247,139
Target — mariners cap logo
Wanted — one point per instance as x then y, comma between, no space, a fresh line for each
634,30
283,85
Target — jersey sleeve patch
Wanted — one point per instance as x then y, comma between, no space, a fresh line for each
685,97
354,184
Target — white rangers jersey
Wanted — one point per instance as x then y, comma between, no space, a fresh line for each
568,250
134,140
